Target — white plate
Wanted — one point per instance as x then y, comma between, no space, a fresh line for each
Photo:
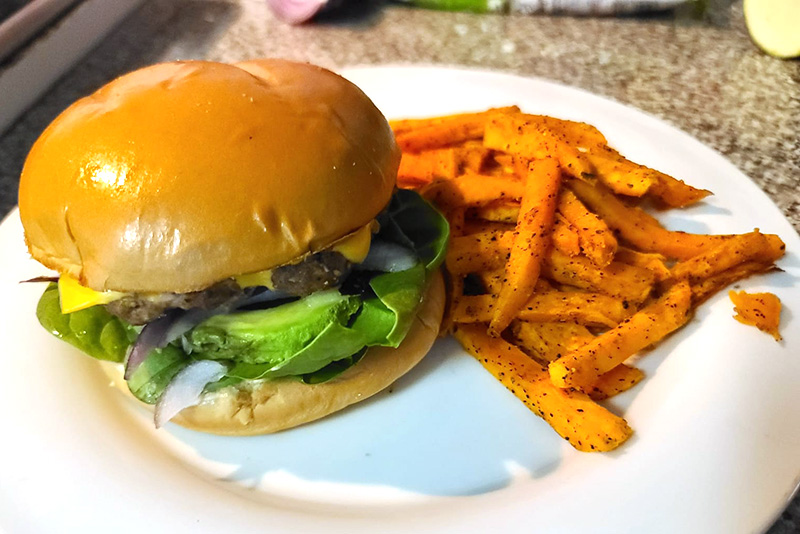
448,450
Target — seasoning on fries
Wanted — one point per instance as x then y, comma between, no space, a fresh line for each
557,274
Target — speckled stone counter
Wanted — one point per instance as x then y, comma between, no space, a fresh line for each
703,76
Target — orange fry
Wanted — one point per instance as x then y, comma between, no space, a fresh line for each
705,289
577,134
566,238
651,261
446,131
591,309
499,211
587,426
762,310
754,246
638,228
477,226
620,378
596,240
479,252
674,193
581,368
427,166
533,140
403,125
531,241
474,190
619,174
547,341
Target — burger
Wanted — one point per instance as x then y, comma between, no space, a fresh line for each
230,242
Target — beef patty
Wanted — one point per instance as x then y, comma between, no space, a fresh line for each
318,271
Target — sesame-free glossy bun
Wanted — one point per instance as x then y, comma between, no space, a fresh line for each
178,175
264,406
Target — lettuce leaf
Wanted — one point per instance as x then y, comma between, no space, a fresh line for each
93,330
411,221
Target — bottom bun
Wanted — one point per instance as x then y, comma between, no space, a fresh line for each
264,406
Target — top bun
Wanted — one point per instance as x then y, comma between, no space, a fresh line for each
178,175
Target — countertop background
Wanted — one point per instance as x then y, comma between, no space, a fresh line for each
699,72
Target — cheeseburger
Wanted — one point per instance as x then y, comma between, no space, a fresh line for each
229,240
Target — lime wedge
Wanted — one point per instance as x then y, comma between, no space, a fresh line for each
774,26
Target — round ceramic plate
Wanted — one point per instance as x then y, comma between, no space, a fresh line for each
447,449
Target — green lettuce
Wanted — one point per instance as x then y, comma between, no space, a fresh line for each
314,338
93,330
313,332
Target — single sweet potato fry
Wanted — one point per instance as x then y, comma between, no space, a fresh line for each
673,193
762,310
400,126
587,426
619,174
566,238
578,134
427,166
479,252
531,241
590,309
469,190
705,289
504,211
443,132
754,246
620,378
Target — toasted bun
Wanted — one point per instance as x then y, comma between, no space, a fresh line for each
265,406
179,175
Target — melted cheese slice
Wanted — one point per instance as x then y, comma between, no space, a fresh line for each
354,247
73,296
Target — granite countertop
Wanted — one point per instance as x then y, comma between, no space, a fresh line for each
701,75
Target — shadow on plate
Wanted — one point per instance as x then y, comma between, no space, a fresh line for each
445,429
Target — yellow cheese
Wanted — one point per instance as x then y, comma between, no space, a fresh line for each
354,247
74,296
261,278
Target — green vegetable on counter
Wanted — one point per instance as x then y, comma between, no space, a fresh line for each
475,6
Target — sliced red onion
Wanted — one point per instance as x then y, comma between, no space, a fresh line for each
387,257
185,389
152,336
163,331
296,11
